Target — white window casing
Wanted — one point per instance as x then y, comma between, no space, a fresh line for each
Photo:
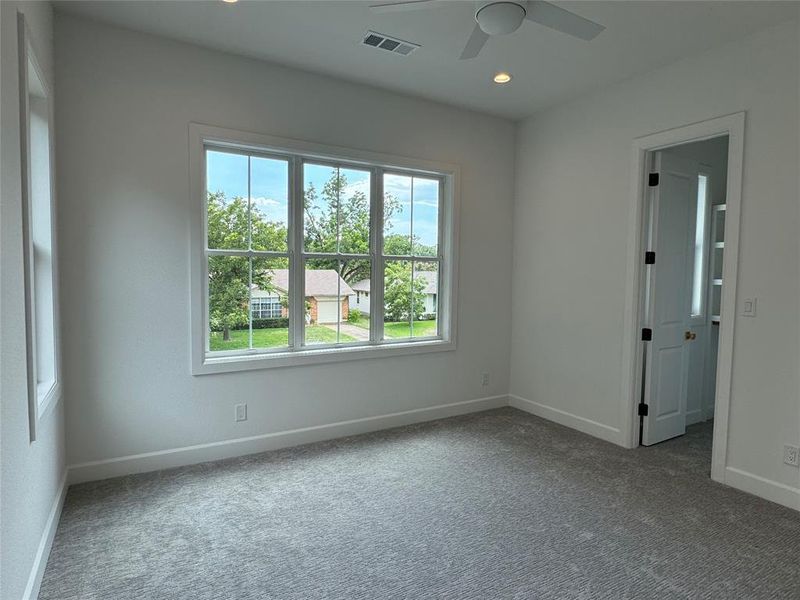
204,361
39,234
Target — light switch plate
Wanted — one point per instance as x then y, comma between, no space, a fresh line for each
749,307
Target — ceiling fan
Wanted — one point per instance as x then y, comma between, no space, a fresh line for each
498,17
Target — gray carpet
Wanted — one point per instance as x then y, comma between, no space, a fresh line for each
497,504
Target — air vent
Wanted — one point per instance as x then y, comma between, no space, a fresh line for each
390,44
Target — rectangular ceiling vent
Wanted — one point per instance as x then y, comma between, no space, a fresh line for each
390,44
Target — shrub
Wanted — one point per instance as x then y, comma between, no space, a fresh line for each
257,324
354,316
271,323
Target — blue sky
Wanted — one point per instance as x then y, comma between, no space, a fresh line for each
227,172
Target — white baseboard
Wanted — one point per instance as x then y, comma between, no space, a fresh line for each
694,416
593,428
765,488
46,543
178,457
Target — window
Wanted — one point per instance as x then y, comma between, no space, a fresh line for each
266,308
698,287
301,237
38,222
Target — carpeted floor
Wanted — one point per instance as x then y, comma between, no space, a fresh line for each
498,504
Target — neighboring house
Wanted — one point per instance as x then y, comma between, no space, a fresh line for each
360,297
324,287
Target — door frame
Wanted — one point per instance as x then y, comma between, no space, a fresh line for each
732,126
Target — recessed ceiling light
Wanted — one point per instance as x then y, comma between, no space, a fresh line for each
502,77
230,1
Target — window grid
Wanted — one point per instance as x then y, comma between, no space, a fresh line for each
248,253
266,308
297,256
412,257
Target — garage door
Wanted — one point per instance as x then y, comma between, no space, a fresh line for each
326,311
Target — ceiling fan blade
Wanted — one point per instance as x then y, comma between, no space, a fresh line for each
474,43
562,20
401,5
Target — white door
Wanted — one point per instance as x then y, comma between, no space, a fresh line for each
327,311
668,298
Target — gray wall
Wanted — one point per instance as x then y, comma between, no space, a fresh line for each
125,102
31,472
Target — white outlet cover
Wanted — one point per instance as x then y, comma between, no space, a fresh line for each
749,307
241,412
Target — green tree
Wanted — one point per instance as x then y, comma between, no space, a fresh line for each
340,215
397,244
399,298
229,277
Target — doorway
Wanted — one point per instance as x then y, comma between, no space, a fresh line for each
683,255
684,231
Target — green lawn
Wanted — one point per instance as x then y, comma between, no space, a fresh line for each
397,330
273,338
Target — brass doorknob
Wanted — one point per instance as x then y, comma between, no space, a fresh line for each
689,335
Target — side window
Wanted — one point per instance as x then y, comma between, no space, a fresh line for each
698,281
38,226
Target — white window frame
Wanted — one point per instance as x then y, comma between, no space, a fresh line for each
41,400
204,362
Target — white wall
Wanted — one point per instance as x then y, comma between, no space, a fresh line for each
125,102
31,472
570,231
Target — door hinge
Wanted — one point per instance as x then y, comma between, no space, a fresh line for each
647,334
652,179
643,409
649,258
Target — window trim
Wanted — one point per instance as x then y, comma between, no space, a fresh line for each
201,136
39,403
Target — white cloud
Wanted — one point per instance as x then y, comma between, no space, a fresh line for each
268,201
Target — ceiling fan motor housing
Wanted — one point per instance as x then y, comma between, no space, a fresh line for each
498,18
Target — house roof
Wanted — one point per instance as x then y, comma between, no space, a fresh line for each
319,282
361,286
431,282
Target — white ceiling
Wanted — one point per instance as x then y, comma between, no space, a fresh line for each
325,36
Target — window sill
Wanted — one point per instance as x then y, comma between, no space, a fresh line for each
249,362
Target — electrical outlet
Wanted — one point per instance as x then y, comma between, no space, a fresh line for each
791,455
485,379
241,412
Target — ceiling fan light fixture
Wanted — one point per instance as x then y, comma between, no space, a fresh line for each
502,77
498,18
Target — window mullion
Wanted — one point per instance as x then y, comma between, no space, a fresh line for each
377,263
444,243
296,279
250,303
246,253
